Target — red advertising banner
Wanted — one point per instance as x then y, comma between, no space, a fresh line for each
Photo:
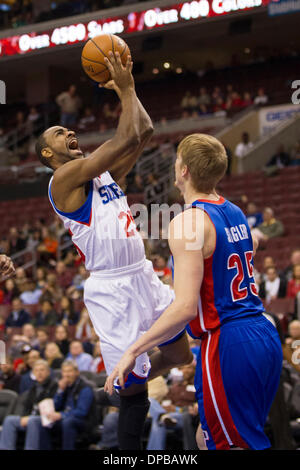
130,23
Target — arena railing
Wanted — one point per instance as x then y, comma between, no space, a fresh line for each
286,134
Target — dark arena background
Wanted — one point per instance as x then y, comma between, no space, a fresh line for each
229,68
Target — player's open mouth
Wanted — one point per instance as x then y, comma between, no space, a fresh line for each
73,145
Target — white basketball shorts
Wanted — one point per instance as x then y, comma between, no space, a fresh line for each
123,304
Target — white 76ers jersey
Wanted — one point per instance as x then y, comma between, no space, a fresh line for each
103,229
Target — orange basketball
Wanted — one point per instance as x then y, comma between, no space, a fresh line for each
94,51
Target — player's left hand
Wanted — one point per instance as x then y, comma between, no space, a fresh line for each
122,369
6,266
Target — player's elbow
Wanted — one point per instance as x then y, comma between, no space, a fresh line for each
132,142
147,132
188,310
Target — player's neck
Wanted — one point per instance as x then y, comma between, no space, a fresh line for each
190,195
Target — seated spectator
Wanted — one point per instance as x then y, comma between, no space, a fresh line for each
242,149
110,112
32,119
61,339
189,102
294,332
161,269
74,409
53,356
34,239
273,287
31,356
181,394
20,279
246,101
84,326
18,316
83,360
43,338
294,283
254,217
51,290
216,94
154,187
48,248
87,120
90,344
15,242
291,347
30,421
270,228
203,97
10,291
41,274
31,293
46,316
294,259
98,363
261,98
9,379
219,105
28,336
67,315
70,258
234,102
63,275
280,159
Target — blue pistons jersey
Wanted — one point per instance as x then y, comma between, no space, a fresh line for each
240,356
228,289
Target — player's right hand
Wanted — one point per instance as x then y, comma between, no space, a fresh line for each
6,266
120,74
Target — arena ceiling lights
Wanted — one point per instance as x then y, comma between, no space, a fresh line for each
132,22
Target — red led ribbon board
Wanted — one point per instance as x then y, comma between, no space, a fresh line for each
188,12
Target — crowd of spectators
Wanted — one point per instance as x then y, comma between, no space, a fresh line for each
74,113
16,13
219,102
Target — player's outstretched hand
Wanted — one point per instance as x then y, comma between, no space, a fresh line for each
122,369
121,75
6,266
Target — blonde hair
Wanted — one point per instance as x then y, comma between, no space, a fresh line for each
205,158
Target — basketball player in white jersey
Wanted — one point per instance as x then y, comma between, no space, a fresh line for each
123,295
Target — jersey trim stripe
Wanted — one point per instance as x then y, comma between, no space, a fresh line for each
221,200
83,215
217,389
210,413
211,388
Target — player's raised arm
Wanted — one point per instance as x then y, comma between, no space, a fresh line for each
145,130
126,139
188,275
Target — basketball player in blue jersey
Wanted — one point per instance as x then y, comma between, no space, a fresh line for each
123,295
240,358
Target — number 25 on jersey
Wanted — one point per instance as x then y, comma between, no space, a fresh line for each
235,262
